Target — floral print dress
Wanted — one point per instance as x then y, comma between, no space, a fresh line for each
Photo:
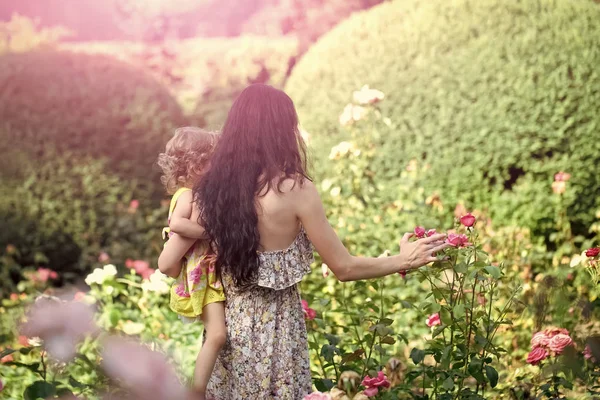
266,353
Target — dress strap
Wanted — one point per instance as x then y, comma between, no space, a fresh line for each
174,199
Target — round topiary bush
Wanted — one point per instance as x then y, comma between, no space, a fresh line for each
88,104
495,95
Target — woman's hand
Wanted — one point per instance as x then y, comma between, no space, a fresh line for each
422,251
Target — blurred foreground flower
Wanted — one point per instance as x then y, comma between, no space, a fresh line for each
61,326
158,283
100,275
368,96
141,267
145,373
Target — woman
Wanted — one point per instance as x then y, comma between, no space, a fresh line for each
262,212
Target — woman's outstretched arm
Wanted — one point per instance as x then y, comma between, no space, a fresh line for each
345,266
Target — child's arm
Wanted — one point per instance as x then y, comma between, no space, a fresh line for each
181,223
170,259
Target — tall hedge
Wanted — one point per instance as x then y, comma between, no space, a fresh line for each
495,95
87,104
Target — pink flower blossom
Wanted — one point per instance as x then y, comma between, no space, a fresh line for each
8,358
559,342
44,274
103,257
14,297
537,355
141,267
146,373
559,187
317,396
433,320
129,263
540,339
562,177
403,274
458,240
552,331
61,325
587,353
430,232
419,232
373,385
23,340
468,220
134,205
593,252
309,313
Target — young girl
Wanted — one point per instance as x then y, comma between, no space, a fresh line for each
197,292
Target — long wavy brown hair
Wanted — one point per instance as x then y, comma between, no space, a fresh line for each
260,146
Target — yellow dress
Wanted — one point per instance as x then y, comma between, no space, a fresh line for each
197,284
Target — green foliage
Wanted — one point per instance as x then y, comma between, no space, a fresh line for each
68,209
89,105
496,96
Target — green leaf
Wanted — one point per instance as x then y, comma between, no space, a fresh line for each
448,384
332,339
386,321
492,375
417,355
39,390
493,271
25,350
388,340
459,310
75,383
6,352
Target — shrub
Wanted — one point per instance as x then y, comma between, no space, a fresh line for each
88,104
497,96
206,74
69,209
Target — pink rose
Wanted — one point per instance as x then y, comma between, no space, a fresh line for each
458,240
593,252
559,342
537,355
420,232
587,353
430,232
129,263
540,339
43,274
142,268
133,205
103,257
317,396
146,373
373,385
562,177
61,325
402,274
467,220
309,313
551,332
433,320
14,297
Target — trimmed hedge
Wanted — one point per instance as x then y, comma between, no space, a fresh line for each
495,95
88,104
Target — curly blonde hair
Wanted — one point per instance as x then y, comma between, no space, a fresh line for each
186,157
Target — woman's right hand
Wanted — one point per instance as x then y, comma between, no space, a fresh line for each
422,251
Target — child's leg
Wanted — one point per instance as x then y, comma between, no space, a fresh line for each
213,316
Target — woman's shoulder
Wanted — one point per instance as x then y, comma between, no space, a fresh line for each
295,185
